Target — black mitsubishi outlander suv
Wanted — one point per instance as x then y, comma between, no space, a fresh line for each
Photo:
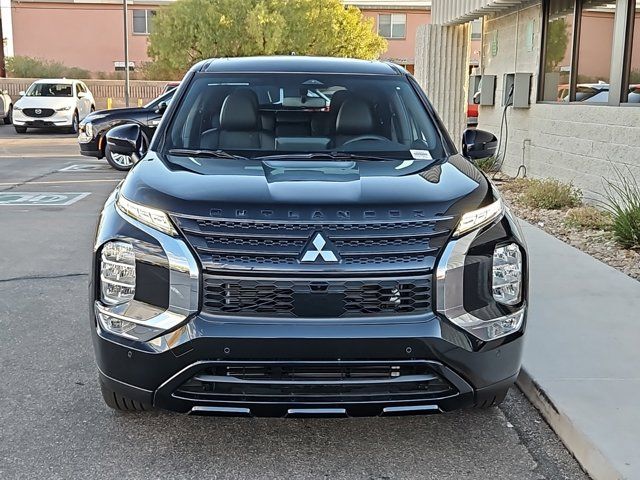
301,238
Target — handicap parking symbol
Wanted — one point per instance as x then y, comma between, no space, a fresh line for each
41,198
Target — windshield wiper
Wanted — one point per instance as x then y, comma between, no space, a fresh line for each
203,152
325,156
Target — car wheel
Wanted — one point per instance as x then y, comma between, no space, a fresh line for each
117,160
9,118
120,402
20,129
93,109
74,124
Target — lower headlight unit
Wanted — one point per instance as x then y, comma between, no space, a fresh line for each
491,329
507,274
116,325
117,273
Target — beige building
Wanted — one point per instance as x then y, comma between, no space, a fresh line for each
89,33
576,103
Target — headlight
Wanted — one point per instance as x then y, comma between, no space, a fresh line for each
507,274
63,109
460,271
17,108
478,218
117,273
149,216
88,129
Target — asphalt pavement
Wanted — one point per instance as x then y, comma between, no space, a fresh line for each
53,423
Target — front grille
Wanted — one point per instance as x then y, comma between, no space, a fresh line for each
38,112
335,298
317,382
277,246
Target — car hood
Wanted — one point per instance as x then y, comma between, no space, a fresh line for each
307,190
114,114
45,102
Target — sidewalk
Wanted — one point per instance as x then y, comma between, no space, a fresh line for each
581,363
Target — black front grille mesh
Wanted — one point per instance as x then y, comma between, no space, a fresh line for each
38,112
311,299
278,246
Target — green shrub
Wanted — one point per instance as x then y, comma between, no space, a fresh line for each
551,194
622,199
487,165
29,67
588,217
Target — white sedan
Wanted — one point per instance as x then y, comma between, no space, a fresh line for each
57,103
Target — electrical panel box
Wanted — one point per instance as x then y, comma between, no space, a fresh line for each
488,90
517,90
474,88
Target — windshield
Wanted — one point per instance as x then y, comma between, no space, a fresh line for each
256,115
50,90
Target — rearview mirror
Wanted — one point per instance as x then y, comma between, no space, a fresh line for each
162,106
478,144
127,140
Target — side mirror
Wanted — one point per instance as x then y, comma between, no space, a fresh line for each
5,92
127,140
81,94
162,106
478,144
22,93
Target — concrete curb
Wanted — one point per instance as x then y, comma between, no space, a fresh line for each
592,460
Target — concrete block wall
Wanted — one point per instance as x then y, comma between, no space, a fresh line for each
578,143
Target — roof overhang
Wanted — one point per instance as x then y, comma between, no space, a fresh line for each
455,12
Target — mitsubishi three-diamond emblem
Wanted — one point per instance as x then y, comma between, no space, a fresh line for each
319,248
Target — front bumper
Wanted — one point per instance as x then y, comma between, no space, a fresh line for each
159,378
58,119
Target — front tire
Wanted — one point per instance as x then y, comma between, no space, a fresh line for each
75,123
120,402
20,129
9,118
118,161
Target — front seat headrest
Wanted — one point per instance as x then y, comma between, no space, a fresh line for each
337,99
354,118
239,111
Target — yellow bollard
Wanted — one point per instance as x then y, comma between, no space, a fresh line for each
109,103
139,102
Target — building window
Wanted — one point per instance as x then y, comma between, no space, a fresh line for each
476,29
143,21
594,51
557,50
632,94
392,25
578,50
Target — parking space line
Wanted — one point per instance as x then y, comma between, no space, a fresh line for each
54,182
36,155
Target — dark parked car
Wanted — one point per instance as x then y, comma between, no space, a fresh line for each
302,238
93,129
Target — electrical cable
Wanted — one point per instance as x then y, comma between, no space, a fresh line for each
503,141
